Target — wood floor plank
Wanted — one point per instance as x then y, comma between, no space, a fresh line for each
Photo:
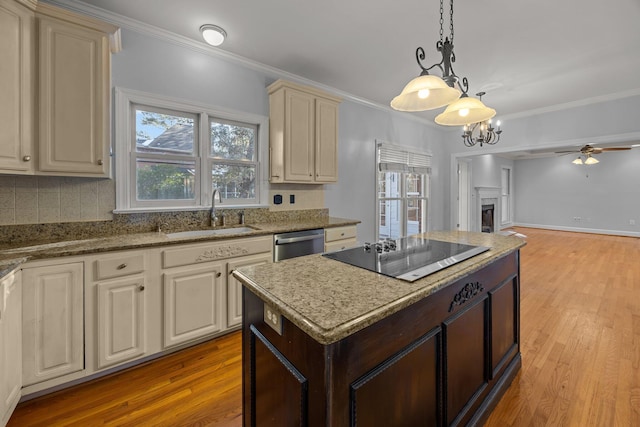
580,329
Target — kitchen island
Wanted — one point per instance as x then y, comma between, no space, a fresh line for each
328,344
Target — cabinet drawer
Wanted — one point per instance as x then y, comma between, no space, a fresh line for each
340,245
339,233
212,251
122,265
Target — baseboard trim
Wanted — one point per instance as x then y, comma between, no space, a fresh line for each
579,229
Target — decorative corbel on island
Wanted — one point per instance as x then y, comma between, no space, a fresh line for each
342,346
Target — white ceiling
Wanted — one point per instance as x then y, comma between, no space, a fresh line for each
527,55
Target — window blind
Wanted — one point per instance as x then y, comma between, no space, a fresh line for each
397,159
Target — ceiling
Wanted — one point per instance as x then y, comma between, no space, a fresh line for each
528,56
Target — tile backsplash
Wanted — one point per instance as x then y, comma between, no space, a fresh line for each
51,199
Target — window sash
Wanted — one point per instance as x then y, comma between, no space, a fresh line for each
201,161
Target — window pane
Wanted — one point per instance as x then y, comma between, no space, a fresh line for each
233,141
416,216
415,185
234,181
164,181
161,133
389,220
388,184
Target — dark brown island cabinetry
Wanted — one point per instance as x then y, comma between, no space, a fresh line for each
444,360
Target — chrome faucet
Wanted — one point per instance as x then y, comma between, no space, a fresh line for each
214,218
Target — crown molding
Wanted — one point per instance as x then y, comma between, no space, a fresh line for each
276,73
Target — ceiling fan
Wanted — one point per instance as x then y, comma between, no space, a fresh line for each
589,150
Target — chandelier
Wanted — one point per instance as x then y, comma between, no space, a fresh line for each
481,132
428,92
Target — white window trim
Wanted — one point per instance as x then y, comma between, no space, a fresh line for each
124,128
409,151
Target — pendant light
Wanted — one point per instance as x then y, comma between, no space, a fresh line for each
464,111
428,92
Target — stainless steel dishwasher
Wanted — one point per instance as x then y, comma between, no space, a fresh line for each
297,243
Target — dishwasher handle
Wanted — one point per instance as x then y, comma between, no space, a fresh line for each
298,239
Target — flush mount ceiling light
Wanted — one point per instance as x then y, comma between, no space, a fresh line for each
428,92
213,34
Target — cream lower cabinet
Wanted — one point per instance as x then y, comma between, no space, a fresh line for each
339,238
200,296
121,320
10,344
234,287
194,303
52,321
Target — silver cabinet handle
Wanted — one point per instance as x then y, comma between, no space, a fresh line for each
121,266
26,158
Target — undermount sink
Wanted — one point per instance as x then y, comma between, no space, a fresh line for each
210,232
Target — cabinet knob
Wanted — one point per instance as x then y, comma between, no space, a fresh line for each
26,158
218,274
100,162
141,288
121,266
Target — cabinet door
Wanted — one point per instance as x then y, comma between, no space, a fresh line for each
326,155
299,136
10,345
194,303
16,86
234,287
74,99
52,322
121,326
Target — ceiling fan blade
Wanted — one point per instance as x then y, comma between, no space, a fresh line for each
613,149
567,152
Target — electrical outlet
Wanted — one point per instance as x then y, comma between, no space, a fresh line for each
273,319
632,222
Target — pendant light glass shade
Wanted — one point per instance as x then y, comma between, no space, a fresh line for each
464,111
423,93
577,161
591,160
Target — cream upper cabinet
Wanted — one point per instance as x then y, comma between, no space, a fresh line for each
16,87
74,67
303,134
63,126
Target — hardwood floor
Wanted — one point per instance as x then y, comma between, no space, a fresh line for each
580,329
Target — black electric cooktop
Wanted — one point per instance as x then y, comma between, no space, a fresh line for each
409,258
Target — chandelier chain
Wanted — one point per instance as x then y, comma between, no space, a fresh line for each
450,21
441,19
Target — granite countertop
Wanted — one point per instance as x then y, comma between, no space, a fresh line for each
12,256
328,300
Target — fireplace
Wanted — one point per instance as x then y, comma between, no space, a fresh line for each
487,218
487,209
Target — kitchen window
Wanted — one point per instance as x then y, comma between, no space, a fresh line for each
172,154
402,191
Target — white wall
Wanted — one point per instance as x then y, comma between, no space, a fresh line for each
152,65
553,192
354,196
606,121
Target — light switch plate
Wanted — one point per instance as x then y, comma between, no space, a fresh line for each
273,319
